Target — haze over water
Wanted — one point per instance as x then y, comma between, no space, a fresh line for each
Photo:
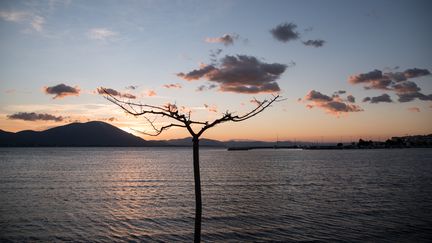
146,194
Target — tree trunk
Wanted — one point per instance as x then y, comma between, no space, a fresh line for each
198,204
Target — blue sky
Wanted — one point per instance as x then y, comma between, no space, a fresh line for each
88,44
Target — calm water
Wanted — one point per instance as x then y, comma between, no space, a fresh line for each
142,194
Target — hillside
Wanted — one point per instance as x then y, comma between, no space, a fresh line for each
93,133
102,134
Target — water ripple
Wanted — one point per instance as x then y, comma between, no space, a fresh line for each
146,195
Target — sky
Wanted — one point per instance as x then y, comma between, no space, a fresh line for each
346,69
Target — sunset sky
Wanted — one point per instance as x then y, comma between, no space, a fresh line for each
348,69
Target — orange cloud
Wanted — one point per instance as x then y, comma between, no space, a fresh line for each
414,109
151,93
227,39
333,105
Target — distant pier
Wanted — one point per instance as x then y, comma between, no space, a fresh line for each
263,147
328,147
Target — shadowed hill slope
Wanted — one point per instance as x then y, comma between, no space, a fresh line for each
93,133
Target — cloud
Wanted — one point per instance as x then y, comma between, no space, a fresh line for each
409,91
172,86
101,34
240,74
212,86
246,89
372,80
151,93
416,72
36,22
394,81
285,32
206,87
333,105
338,106
351,99
110,119
314,43
201,88
317,96
114,92
407,97
383,84
132,87
127,95
365,77
227,39
414,109
396,76
14,16
197,73
378,99
214,54
62,90
406,87
31,116
377,80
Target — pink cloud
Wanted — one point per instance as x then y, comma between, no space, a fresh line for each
333,105
414,109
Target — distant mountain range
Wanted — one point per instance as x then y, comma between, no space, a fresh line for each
102,134
93,133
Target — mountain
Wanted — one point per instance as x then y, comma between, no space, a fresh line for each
102,134
93,133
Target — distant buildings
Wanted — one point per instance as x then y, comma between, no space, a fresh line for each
412,141
417,141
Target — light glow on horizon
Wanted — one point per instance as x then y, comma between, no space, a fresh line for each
153,55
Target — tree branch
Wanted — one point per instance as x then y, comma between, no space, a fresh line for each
171,111
160,130
228,116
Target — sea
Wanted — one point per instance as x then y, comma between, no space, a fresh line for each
282,195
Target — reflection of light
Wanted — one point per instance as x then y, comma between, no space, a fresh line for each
127,195
145,192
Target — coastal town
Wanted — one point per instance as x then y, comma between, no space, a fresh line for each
415,141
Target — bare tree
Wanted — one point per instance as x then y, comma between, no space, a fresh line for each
184,120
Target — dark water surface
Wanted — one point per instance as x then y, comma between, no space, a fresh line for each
143,194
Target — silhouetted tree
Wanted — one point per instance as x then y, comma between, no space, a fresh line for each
184,121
